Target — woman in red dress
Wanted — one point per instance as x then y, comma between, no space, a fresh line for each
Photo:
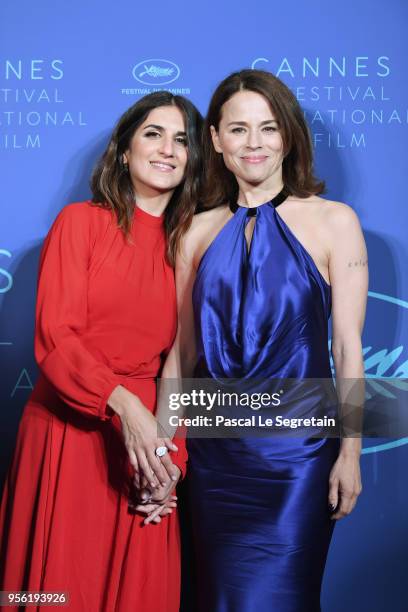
106,315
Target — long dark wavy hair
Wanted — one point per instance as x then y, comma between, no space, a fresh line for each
111,184
220,185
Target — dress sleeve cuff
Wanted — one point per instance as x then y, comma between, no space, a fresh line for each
105,411
181,464
180,457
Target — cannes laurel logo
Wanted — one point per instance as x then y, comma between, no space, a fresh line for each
385,366
156,72
386,362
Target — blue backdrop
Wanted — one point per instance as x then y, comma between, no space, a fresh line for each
68,70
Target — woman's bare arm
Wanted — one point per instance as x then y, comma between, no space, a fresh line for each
182,358
348,269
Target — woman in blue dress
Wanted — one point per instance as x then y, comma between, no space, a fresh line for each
257,277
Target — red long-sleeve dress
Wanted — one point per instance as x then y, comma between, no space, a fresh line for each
106,314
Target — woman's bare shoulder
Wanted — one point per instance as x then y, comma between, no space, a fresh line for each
204,227
206,221
337,216
330,213
209,217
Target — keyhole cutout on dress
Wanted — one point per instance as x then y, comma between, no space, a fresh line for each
249,231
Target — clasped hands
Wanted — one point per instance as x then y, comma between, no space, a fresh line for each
154,503
154,477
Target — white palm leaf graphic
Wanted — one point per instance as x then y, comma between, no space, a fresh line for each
156,71
381,373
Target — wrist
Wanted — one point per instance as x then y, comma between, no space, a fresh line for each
120,400
350,447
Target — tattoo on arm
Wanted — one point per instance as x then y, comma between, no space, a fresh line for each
358,263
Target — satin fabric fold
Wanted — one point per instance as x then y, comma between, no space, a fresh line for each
259,505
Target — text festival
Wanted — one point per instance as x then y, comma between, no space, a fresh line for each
40,74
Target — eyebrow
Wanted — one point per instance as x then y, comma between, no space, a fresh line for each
245,123
160,128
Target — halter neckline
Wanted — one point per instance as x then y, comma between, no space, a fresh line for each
251,211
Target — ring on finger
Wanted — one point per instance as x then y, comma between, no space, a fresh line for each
147,500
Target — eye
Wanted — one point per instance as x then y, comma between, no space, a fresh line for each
271,128
181,140
152,134
238,130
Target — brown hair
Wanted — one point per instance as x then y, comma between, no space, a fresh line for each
220,185
111,184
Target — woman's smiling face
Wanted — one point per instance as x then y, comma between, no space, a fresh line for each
249,139
157,153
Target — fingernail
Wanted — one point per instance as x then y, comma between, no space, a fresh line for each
173,478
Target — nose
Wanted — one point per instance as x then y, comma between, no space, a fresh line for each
254,139
167,146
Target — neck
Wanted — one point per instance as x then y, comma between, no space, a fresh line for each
253,195
150,200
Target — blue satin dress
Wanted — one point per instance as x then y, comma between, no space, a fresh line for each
261,521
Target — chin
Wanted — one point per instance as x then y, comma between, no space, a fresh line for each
251,174
164,182
162,186
255,177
